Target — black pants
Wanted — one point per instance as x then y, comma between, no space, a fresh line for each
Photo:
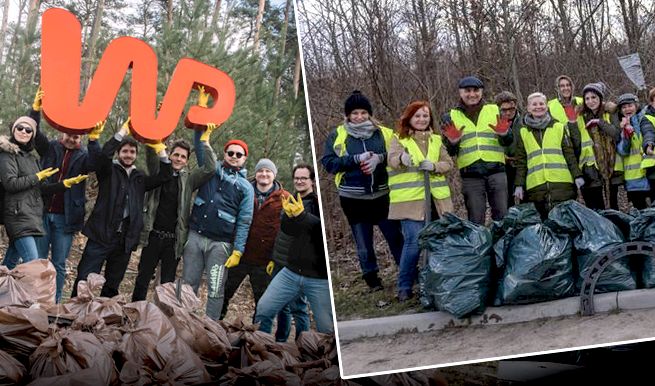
614,196
95,255
157,249
593,197
510,170
259,280
638,199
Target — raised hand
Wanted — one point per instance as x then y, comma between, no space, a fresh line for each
501,127
38,99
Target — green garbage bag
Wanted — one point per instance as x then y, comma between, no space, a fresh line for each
539,267
642,228
593,235
620,219
517,218
456,275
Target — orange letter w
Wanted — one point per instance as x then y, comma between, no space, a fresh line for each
60,78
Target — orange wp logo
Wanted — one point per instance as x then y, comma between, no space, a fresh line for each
61,59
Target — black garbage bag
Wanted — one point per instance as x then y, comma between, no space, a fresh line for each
620,219
642,228
539,267
456,275
592,236
517,218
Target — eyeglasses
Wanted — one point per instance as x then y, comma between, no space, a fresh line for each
26,129
235,154
301,179
508,109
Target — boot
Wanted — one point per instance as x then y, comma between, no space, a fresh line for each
404,295
373,281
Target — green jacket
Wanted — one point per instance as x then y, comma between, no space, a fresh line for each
188,182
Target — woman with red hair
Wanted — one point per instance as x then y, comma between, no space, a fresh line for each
414,150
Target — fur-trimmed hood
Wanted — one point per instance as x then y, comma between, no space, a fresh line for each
7,146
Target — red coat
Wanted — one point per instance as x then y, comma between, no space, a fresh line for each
264,227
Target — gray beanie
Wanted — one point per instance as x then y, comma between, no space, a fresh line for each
266,163
627,98
598,88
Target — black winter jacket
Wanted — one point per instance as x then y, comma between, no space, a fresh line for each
299,244
114,183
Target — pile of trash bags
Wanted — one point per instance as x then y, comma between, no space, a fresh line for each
522,259
93,340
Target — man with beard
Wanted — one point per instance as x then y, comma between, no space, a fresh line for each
265,226
117,218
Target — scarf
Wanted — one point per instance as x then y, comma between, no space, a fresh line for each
537,123
26,147
364,130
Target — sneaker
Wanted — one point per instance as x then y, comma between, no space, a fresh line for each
405,295
373,281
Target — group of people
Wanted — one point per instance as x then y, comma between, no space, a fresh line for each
554,150
212,217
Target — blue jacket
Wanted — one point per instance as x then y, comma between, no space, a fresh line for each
355,182
223,208
623,148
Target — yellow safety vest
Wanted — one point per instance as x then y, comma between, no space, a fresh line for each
557,111
407,184
545,163
479,141
648,160
339,146
587,156
632,163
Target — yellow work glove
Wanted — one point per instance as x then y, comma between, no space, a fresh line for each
157,146
45,173
293,207
68,182
208,131
269,267
126,126
97,130
233,260
38,99
203,97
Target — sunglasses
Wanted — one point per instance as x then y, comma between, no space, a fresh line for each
235,154
26,129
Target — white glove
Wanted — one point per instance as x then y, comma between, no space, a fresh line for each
518,192
359,158
579,182
406,159
426,165
369,165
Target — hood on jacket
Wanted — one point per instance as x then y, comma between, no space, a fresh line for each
7,146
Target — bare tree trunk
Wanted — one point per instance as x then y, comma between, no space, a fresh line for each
3,29
258,23
169,11
90,54
296,76
216,14
283,48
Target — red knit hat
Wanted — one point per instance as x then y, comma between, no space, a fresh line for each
236,142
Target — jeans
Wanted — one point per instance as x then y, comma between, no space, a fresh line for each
297,309
408,271
287,286
477,191
204,254
95,255
259,280
157,249
24,247
60,241
363,235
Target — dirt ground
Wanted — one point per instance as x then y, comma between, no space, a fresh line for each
452,345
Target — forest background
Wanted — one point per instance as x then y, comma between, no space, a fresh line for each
254,41
400,51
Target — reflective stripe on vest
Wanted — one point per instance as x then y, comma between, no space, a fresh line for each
556,110
545,163
648,160
407,184
339,146
479,141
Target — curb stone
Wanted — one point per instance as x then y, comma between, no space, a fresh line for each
433,321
